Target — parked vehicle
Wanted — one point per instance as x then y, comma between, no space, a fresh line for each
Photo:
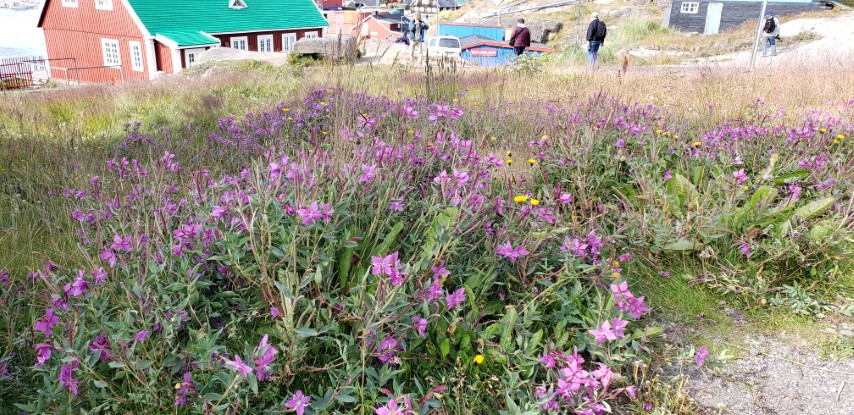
444,46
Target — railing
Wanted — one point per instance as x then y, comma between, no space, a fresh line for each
15,73
27,72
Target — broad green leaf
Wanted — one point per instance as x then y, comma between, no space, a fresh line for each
445,347
792,177
683,245
306,332
815,208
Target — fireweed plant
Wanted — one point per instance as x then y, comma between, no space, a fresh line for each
358,254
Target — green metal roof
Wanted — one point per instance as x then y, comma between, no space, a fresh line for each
183,20
189,38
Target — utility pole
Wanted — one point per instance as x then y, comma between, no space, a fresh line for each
758,34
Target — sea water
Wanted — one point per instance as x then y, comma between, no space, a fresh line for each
19,35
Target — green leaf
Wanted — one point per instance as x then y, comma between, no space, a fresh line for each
683,245
345,398
306,332
815,208
445,347
389,240
792,177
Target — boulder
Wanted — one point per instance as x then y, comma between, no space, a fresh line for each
541,30
327,47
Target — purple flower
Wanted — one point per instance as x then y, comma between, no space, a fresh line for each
548,361
619,327
647,407
298,402
238,366
218,211
396,204
620,143
574,246
420,325
625,257
309,214
826,184
368,173
66,379
603,333
108,256
603,375
461,178
442,178
187,387
76,288
455,299
326,212
702,355
667,175
434,291
740,177
745,249
266,356
440,271
506,250
274,312
102,345
140,335
389,266
664,274
390,408
565,198
99,276
121,243
43,351
47,323
275,170
795,191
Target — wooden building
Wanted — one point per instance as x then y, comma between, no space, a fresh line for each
714,16
113,40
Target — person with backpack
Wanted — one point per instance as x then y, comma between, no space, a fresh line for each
416,31
596,32
521,37
772,33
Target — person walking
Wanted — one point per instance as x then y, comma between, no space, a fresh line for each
772,33
521,37
416,31
596,33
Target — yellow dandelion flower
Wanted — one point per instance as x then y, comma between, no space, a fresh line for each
616,275
478,359
455,101
411,131
822,130
746,188
290,118
178,385
675,136
535,202
492,138
286,109
477,104
509,162
835,141
532,161
659,131
324,133
322,104
545,136
330,91
520,199
840,137
508,154
697,144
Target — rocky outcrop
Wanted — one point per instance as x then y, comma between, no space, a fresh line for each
328,48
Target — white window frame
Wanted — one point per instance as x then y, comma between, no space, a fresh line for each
689,7
103,4
188,52
107,61
245,40
312,35
288,46
137,66
69,3
262,38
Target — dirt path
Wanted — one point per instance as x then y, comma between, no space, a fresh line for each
774,377
836,46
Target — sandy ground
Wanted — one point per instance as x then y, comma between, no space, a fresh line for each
776,375
836,46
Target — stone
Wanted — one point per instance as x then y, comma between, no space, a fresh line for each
327,47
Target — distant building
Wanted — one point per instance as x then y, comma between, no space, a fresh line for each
490,53
139,39
382,26
432,6
461,30
710,17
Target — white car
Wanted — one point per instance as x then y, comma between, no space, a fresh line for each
444,46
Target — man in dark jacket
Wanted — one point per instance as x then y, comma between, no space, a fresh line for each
521,37
596,33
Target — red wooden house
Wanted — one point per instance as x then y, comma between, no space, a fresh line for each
111,40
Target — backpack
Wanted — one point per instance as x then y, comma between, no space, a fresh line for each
770,25
601,30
